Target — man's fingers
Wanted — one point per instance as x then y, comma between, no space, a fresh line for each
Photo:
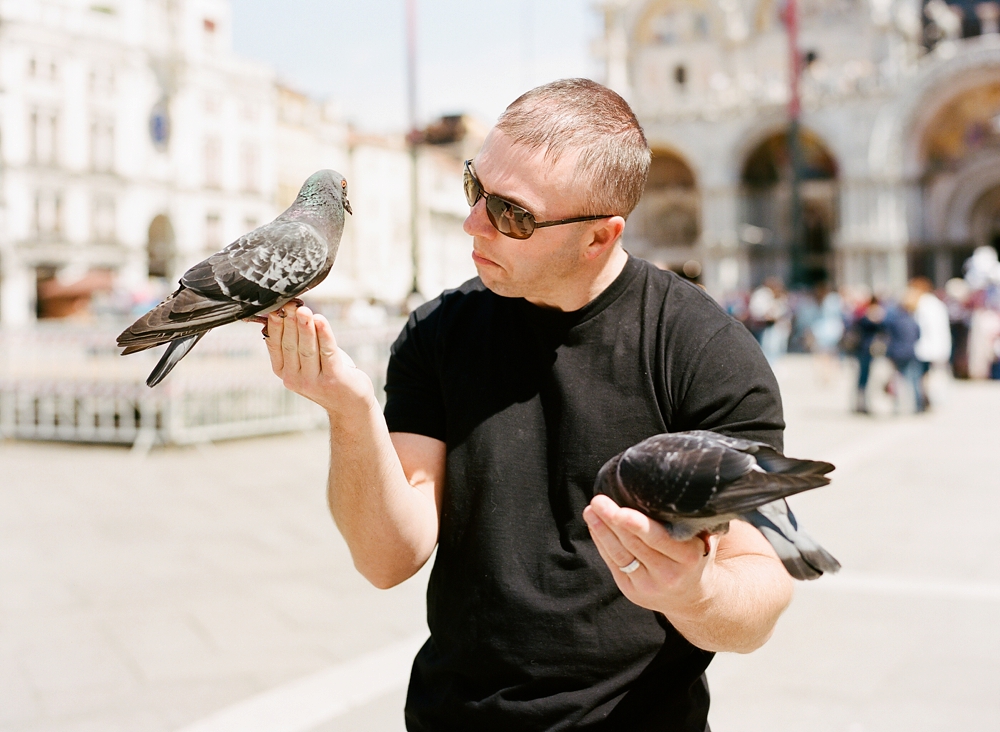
290,340
326,340
643,536
607,542
275,327
308,345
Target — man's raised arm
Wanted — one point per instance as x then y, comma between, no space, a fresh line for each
383,490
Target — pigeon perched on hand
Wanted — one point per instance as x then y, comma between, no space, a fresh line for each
256,274
696,482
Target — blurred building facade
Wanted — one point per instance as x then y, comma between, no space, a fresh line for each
376,258
901,135
134,142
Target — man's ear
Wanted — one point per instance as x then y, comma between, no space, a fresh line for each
605,234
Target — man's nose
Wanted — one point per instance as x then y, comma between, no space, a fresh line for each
477,223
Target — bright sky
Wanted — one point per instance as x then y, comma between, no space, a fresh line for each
473,55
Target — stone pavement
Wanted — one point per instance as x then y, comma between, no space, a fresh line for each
182,590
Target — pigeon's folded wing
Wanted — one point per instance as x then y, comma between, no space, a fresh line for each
258,271
273,263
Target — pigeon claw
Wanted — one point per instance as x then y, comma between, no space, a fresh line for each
706,538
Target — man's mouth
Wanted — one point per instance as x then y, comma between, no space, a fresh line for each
480,259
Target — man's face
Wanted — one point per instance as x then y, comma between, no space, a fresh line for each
540,267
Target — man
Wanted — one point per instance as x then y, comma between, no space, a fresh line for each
549,608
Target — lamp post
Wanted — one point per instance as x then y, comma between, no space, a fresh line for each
413,141
796,243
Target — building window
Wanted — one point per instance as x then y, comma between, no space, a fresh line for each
213,162
103,219
249,167
102,146
102,80
213,232
48,214
44,136
44,69
680,75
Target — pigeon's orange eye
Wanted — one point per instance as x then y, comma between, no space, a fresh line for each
343,184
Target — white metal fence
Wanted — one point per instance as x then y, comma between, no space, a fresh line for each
60,382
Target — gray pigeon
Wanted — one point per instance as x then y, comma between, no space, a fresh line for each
696,482
257,273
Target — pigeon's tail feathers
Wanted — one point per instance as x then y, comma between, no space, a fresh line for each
758,487
185,313
774,462
802,557
137,348
175,352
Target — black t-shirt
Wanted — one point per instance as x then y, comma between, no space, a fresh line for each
528,629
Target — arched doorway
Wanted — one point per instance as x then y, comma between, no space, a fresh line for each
985,220
959,163
766,209
161,247
665,226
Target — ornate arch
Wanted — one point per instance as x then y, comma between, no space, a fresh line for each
894,148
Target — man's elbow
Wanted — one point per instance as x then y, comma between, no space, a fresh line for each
386,575
781,599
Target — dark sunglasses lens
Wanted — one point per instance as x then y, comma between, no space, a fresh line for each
472,189
511,220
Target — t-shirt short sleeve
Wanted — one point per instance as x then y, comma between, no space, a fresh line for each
731,389
414,399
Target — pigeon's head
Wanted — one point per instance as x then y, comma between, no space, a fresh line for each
325,189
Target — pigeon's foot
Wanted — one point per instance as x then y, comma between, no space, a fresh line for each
262,319
294,301
706,539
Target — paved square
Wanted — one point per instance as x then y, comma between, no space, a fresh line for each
183,589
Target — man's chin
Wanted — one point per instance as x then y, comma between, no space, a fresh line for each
497,285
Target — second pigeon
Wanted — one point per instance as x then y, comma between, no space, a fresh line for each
696,482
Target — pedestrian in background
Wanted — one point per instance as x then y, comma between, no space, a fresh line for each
903,333
868,326
771,319
826,330
933,347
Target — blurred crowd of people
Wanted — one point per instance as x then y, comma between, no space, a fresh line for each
955,328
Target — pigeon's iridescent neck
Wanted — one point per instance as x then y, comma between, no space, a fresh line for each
315,208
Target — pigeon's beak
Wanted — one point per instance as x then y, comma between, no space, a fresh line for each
347,207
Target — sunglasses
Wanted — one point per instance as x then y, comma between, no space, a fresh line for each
509,218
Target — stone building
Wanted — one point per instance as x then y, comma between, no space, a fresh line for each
900,143
133,141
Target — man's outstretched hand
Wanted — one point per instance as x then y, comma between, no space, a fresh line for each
727,598
672,575
305,356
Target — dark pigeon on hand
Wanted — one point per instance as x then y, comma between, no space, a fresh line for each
259,272
696,482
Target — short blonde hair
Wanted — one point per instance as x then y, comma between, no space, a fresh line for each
573,115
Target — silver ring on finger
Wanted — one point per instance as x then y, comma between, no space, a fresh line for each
631,566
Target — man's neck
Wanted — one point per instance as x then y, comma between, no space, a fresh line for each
579,294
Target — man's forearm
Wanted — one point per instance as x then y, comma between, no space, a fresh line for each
748,594
390,526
